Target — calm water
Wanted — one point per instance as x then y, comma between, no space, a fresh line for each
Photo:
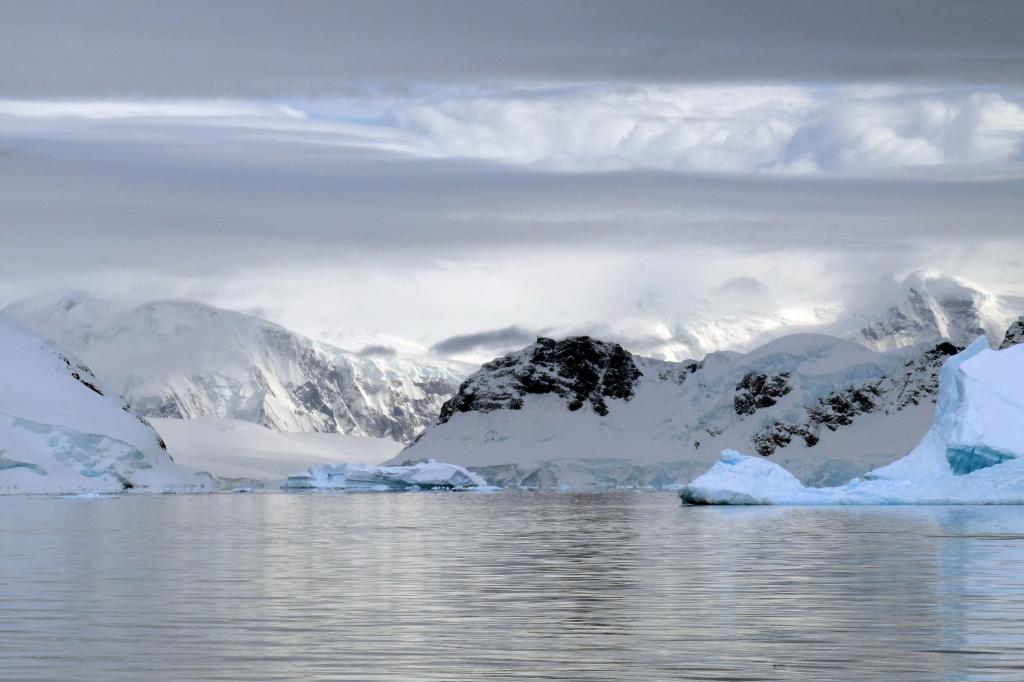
455,586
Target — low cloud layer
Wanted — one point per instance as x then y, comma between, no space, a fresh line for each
484,342
723,129
792,129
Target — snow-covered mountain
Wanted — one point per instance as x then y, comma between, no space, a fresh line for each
924,307
583,412
186,359
62,430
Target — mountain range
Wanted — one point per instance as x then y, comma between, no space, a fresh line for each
585,412
183,359
923,306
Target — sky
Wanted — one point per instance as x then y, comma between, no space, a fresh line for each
462,176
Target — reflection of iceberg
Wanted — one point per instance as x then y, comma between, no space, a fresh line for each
971,455
430,474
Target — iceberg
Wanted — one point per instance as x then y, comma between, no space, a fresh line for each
423,475
973,453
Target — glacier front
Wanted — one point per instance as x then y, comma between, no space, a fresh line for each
973,453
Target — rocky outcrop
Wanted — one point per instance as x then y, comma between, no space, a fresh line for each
1014,335
579,369
756,391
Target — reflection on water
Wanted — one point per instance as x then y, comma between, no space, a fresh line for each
455,586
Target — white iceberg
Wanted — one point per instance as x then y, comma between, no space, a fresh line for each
973,454
424,475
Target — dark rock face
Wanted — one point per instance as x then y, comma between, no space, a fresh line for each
779,435
1014,335
918,383
678,373
757,391
579,369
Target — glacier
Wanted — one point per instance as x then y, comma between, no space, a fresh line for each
63,431
973,453
424,475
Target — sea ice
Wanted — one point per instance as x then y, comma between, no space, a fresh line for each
971,455
424,475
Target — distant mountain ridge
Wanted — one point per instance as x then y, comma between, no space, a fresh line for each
925,306
187,359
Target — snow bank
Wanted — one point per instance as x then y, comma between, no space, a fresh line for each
62,431
972,454
232,448
430,474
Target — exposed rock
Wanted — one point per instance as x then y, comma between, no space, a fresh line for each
578,369
757,391
1014,335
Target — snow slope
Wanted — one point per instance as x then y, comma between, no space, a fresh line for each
185,359
232,448
973,453
63,431
583,412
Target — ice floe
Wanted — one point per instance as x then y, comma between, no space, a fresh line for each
424,475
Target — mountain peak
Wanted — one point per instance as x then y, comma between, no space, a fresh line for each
926,306
579,369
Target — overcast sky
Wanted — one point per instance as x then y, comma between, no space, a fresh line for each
465,175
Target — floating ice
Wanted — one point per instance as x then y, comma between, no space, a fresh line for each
971,455
424,475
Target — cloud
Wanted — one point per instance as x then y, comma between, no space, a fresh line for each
259,49
721,129
151,109
501,340
342,222
709,129
743,285
378,350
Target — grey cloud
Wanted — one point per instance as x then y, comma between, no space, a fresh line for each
498,340
378,350
264,48
744,285
192,203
